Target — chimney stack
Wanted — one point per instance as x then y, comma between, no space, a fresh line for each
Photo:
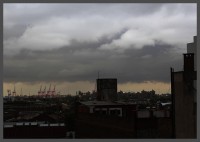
189,73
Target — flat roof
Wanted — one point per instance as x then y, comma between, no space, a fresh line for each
95,103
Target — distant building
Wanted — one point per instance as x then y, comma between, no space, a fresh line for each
183,85
106,89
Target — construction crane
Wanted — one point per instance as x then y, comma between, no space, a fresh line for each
43,92
9,92
54,91
49,91
40,91
14,92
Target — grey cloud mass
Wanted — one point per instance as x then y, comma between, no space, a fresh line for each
73,42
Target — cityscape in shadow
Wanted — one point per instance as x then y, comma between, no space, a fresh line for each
99,71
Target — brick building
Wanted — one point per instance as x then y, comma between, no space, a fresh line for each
107,89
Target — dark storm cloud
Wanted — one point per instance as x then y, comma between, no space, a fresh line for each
73,42
75,64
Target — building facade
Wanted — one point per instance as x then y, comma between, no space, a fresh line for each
183,86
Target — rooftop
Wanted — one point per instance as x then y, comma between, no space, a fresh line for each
98,103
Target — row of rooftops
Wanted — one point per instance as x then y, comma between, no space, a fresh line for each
40,124
97,103
102,103
146,113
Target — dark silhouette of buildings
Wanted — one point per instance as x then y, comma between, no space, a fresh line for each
183,85
108,117
34,118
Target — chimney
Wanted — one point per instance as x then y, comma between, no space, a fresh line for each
189,73
188,62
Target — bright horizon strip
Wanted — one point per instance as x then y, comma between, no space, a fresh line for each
72,87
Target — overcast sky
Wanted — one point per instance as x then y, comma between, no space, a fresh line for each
71,43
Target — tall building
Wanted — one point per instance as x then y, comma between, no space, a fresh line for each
106,89
183,86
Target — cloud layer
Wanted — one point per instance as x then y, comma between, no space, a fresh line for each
73,42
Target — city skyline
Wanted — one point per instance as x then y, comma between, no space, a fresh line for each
68,44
